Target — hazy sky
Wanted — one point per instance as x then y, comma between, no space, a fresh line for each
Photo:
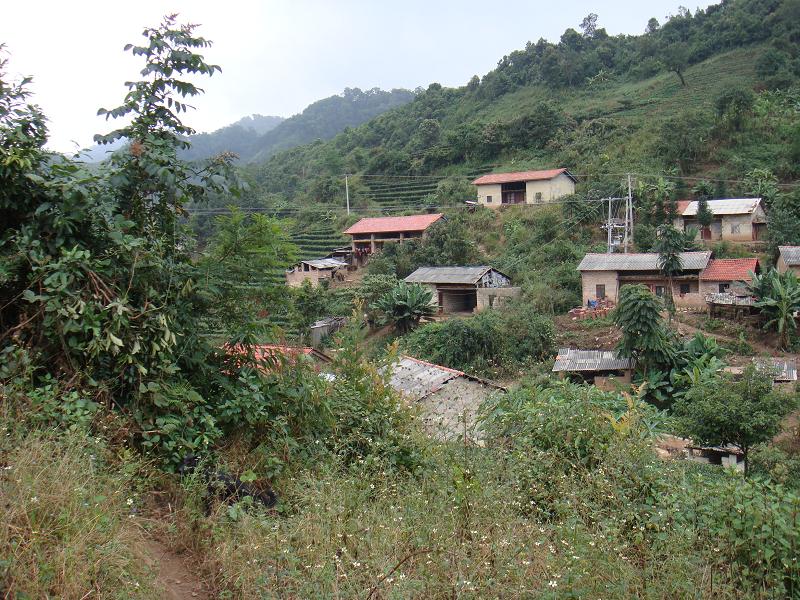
278,56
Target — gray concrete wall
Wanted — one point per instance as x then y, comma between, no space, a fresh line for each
495,297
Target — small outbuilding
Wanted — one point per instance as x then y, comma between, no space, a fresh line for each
316,270
600,367
449,399
465,289
789,259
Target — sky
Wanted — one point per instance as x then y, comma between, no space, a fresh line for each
278,56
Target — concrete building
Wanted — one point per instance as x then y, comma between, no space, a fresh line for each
370,234
789,259
601,368
602,275
723,274
465,289
524,187
448,399
734,219
315,271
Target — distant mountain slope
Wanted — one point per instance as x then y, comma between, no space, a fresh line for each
256,138
690,96
325,118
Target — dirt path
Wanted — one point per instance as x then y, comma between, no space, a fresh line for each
174,575
684,328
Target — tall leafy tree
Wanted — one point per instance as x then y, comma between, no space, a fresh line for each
745,412
644,336
669,244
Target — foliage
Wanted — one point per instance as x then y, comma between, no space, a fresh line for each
744,412
778,295
669,245
405,306
491,342
644,336
66,519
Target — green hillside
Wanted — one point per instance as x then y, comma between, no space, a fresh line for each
647,104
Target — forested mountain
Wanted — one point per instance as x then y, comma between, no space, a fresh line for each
711,92
258,137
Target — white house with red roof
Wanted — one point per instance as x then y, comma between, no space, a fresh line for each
734,219
370,234
524,187
723,275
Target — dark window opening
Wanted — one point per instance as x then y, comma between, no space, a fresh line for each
685,288
600,291
724,287
488,199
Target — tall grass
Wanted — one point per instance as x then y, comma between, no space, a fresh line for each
65,530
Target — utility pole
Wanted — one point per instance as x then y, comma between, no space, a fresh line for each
608,248
347,193
628,217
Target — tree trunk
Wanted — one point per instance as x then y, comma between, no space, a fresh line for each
680,76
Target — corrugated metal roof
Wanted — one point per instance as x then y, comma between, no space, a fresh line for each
393,224
781,369
416,379
468,275
324,263
640,262
727,206
790,255
518,176
590,360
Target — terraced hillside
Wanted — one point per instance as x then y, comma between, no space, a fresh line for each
318,241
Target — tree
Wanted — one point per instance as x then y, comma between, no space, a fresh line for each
676,59
669,244
733,107
762,183
406,305
644,336
779,296
660,193
784,222
652,26
589,25
703,191
725,411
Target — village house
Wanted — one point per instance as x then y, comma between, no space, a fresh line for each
465,289
524,187
315,270
734,219
602,275
602,368
370,234
449,399
724,275
789,259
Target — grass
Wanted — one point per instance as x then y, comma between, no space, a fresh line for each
65,530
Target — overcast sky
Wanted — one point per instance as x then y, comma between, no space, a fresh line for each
278,56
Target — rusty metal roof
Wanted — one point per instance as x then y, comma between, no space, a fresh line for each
790,255
517,176
690,261
393,224
780,369
468,275
590,360
726,206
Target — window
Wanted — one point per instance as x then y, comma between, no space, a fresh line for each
685,288
734,228
539,197
659,291
600,291
724,287
488,199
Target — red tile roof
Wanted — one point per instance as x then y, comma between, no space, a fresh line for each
730,269
393,224
521,176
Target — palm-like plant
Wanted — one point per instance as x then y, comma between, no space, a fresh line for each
405,306
779,296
